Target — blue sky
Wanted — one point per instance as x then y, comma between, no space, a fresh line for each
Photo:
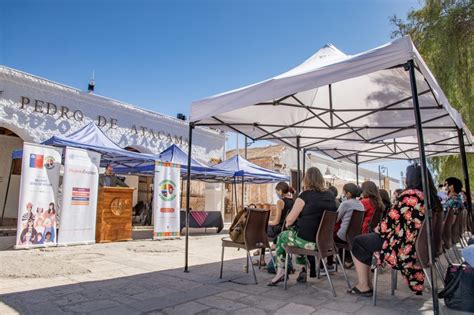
162,55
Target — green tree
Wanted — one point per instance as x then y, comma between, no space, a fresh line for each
442,31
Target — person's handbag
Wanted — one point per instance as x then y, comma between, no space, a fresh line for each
236,230
271,267
458,293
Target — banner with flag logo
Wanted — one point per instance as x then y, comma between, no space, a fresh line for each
37,212
79,200
166,200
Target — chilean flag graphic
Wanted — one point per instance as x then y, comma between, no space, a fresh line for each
36,160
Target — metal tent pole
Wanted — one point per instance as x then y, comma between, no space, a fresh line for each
235,195
6,194
298,168
425,182
182,191
188,196
246,145
380,179
465,171
304,161
232,202
243,192
357,169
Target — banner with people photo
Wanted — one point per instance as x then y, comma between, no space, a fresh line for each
38,196
166,200
79,197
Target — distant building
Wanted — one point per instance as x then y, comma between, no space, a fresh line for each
283,159
33,109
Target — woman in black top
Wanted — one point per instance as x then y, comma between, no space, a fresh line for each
283,207
303,220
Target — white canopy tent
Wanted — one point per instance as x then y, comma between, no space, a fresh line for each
353,107
406,148
332,98
380,104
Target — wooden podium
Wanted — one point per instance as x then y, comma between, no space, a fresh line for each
114,214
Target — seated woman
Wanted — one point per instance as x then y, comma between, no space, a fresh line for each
303,222
372,203
348,205
394,238
344,212
454,198
283,207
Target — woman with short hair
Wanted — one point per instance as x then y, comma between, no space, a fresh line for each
454,199
303,222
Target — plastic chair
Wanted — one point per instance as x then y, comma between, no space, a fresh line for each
438,221
447,234
422,251
466,232
437,232
457,234
376,218
255,237
354,229
325,247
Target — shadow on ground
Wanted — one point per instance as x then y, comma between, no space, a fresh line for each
202,292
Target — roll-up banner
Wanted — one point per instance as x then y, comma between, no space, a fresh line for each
166,200
79,197
38,196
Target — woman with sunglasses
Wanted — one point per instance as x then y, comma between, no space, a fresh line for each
453,187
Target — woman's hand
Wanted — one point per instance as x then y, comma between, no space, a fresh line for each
377,227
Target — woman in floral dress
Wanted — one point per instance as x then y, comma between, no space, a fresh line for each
393,241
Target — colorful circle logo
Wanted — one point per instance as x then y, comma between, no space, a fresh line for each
49,162
167,190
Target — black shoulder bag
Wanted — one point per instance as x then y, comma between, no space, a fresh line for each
458,293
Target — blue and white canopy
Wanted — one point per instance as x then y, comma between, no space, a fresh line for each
173,154
90,137
246,171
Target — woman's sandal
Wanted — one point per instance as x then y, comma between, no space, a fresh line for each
274,283
356,291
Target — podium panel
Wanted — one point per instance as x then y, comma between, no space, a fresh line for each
114,214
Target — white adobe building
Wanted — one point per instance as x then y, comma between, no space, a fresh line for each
33,109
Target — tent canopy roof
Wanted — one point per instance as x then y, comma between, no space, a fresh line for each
405,148
249,172
90,137
333,98
174,154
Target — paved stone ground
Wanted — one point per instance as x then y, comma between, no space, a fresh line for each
147,277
